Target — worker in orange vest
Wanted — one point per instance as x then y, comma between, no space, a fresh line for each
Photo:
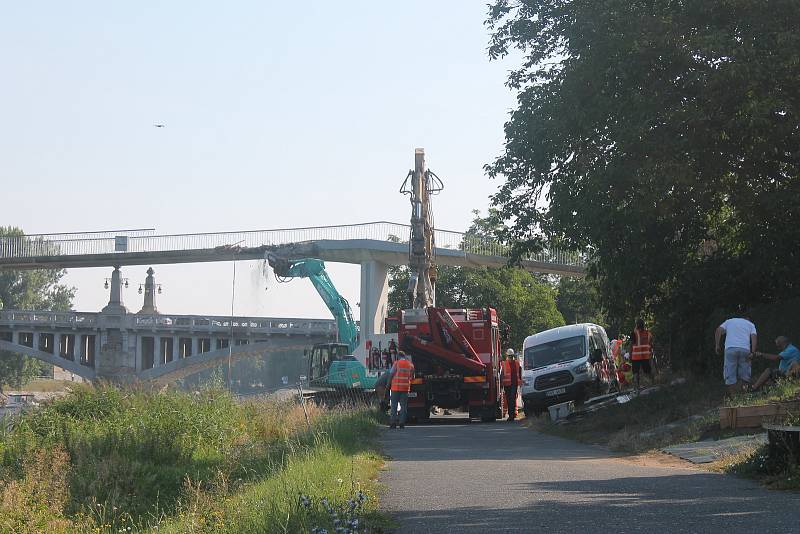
641,352
511,377
400,379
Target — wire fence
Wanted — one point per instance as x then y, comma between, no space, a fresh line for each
52,245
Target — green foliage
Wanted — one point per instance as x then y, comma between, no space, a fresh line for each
180,462
579,301
663,137
29,290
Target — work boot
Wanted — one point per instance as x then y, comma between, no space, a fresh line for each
393,425
402,426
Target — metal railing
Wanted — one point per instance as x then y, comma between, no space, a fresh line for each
188,323
15,247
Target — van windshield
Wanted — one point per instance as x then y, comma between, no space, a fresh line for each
560,350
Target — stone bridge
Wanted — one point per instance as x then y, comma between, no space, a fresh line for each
125,347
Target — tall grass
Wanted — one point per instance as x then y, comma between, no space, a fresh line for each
178,462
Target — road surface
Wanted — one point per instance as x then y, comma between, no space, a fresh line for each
503,477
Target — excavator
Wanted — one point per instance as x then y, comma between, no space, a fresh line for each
331,365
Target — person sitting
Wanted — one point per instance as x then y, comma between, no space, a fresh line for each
789,358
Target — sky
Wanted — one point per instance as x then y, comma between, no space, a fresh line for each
276,114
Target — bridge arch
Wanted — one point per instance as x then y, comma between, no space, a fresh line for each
87,373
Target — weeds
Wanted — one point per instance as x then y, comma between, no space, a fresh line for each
129,460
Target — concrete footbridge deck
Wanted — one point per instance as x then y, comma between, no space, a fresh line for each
382,242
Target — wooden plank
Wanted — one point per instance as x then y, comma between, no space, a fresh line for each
754,416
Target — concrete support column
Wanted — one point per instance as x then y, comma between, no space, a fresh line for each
176,348
57,344
158,352
15,336
36,340
77,348
374,297
98,346
137,358
195,346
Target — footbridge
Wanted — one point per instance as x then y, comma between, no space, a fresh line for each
384,242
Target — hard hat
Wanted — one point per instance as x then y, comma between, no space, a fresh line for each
510,352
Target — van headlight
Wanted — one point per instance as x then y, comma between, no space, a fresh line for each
526,381
581,369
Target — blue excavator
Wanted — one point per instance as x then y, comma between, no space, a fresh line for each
331,365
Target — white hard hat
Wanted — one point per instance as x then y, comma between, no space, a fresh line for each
510,352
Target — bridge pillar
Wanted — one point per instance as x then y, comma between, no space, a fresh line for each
374,297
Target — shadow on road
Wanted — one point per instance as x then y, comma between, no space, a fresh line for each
676,503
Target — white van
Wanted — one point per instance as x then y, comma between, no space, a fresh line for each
566,363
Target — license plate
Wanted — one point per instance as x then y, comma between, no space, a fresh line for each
554,392
412,394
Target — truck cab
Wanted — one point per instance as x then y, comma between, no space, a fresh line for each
566,363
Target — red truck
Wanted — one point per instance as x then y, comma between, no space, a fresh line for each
456,356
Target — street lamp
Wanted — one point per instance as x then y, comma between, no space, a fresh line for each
141,288
124,282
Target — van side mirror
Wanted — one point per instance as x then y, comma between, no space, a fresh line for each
596,356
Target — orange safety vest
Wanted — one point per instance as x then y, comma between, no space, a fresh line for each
510,370
404,372
642,349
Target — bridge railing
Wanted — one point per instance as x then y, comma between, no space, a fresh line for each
15,247
177,323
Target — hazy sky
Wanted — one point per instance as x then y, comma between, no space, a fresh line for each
277,114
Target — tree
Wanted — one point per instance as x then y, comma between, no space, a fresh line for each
579,301
29,290
661,136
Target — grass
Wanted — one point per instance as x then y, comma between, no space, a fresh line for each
106,459
44,385
636,426
783,390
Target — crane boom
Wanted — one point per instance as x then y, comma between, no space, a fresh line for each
314,270
422,269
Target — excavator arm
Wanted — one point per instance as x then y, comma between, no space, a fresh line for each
314,270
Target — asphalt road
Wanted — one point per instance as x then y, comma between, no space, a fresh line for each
503,477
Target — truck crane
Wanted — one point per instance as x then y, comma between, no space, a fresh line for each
330,364
456,352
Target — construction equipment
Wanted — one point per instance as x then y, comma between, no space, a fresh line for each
330,364
456,352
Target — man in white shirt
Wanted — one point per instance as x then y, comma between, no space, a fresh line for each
740,343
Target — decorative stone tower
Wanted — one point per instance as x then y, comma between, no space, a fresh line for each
149,307
115,305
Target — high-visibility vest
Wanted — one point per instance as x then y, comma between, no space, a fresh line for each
510,369
642,349
404,372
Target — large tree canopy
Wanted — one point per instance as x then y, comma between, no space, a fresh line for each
664,136
28,290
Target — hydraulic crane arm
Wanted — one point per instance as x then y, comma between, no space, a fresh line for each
314,270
